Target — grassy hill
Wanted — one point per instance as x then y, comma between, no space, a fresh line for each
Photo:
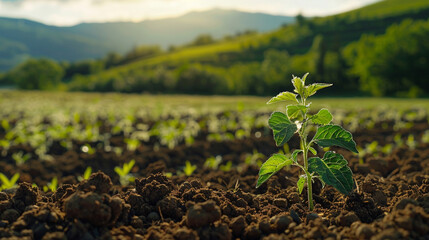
180,30
258,63
339,30
21,39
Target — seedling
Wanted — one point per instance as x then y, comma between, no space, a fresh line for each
332,169
7,183
213,162
255,158
85,175
124,173
411,142
20,158
189,168
132,144
425,137
226,167
52,186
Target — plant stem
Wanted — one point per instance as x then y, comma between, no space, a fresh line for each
305,146
309,186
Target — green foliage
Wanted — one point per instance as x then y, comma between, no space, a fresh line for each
323,117
203,39
213,162
20,158
300,184
51,186
332,169
86,174
270,167
7,183
40,74
334,135
189,168
394,63
283,128
125,176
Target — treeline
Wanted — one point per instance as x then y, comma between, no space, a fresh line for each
394,63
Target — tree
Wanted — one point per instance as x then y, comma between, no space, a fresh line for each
42,74
394,63
203,39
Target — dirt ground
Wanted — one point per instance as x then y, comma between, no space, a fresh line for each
391,201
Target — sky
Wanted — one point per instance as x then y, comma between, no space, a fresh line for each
71,12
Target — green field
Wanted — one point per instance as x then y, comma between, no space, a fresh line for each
35,101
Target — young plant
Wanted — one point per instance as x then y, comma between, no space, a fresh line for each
7,183
332,169
189,168
52,186
213,162
85,175
20,158
125,176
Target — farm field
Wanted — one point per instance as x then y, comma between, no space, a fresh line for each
116,166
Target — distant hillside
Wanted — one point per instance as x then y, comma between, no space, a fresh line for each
260,63
337,30
180,30
20,39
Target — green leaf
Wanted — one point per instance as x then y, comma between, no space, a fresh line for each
301,183
271,166
284,96
14,178
312,150
295,154
119,171
293,111
87,173
334,135
5,181
334,171
323,117
313,88
299,85
283,128
304,78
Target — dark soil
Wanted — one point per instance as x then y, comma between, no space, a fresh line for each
391,201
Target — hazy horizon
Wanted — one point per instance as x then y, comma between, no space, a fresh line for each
68,13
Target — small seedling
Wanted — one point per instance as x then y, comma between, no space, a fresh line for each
332,169
125,176
20,158
86,174
255,158
7,183
226,167
411,142
132,144
51,186
213,162
189,168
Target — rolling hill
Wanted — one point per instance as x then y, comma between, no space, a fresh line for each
244,64
338,30
22,38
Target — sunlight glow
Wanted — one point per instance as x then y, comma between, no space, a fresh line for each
68,12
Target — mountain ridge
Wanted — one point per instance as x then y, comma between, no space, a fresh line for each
27,38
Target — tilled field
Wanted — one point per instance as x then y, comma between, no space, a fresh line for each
391,201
